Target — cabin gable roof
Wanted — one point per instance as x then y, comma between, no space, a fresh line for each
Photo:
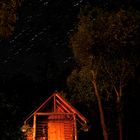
57,104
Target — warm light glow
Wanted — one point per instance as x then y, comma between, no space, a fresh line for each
24,128
85,128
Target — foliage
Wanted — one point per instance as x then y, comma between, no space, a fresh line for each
82,40
8,15
104,42
80,85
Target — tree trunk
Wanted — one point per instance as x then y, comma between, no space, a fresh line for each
119,111
120,133
120,128
102,119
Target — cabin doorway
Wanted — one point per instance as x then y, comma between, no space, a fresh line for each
56,130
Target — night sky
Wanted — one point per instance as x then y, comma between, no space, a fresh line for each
36,60
41,35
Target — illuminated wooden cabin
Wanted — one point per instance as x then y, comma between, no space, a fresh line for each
55,119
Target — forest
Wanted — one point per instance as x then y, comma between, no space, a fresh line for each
86,50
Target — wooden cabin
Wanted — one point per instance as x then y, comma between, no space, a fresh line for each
55,119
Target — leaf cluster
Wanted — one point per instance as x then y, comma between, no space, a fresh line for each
8,14
105,42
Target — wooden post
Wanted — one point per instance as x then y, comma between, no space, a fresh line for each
75,127
54,103
34,127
